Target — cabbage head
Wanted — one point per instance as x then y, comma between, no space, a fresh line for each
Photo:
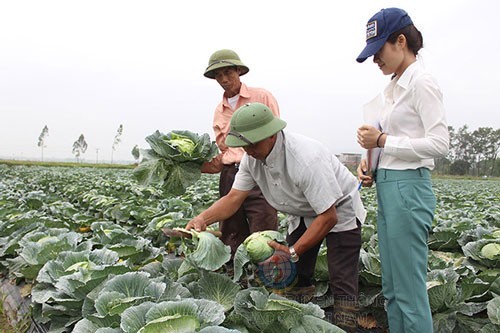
491,250
255,249
174,160
257,245
182,143
485,251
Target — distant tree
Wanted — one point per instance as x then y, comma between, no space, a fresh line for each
496,168
136,153
459,167
463,145
481,147
475,151
79,147
453,142
495,149
486,146
117,141
42,137
442,165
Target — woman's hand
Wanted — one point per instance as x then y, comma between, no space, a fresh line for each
363,177
368,136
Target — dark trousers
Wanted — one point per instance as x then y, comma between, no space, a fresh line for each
254,215
343,260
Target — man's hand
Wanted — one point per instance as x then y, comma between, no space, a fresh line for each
214,166
279,247
277,271
198,224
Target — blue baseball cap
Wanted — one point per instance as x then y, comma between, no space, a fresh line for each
379,27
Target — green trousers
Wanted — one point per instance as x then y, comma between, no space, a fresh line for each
406,205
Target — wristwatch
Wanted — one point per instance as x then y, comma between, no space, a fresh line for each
294,257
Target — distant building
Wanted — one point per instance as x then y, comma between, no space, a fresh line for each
350,159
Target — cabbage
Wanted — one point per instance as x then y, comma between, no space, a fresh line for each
174,160
491,250
185,315
210,252
484,251
442,289
255,249
264,312
182,143
257,245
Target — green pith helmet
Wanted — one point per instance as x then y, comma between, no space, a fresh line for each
224,58
252,123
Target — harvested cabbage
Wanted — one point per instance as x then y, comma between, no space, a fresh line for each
257,245
255,249
174,160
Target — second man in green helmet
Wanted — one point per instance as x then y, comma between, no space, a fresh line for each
302,178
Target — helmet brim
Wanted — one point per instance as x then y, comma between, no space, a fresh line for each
256,135
210,71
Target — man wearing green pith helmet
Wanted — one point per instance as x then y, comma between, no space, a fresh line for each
302,178
226,67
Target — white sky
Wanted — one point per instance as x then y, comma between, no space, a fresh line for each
85,67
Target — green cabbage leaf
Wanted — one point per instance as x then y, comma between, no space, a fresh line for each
255,308
188,315
209,252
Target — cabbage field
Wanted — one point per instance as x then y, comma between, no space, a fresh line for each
86,246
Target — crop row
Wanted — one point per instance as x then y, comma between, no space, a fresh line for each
89,242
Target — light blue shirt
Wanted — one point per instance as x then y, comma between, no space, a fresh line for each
302,178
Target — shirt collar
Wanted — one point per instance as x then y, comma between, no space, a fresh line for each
244,93
402,82
273,156
407,76
389,91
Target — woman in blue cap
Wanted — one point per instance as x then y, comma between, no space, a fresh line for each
411,131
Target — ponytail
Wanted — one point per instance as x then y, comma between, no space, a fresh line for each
414,38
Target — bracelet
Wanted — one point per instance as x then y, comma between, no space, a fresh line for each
378,139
